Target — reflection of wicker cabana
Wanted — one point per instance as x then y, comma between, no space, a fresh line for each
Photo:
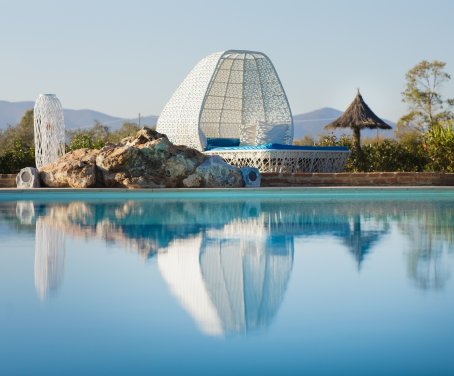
229,286
233,104
358,116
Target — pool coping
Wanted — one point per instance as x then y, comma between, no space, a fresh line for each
241,191
324,187
246,195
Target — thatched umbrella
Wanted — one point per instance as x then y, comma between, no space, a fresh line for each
358,116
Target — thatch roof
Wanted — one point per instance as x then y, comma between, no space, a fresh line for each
358,115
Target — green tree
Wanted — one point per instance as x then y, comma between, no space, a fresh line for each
427,108
21,132
17,145
93,138
126,130
99,133
79,140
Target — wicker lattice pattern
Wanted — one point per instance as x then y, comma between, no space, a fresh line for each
49,129
286,161
227,95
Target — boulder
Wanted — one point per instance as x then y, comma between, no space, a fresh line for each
193,181
76,169
146,160
217,173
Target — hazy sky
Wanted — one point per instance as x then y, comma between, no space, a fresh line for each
125,57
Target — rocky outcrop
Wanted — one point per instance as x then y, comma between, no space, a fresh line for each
146,160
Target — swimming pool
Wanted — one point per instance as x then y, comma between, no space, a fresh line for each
316,281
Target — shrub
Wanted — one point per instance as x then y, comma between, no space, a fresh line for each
82,140
390,155
20,156
439,146
381,155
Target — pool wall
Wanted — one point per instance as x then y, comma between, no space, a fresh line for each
358,179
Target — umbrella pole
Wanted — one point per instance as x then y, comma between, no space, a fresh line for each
357,139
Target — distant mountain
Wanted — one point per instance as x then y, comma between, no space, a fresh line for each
11,113
312,124
308,124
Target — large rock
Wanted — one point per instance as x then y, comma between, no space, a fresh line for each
146,160
216,173
76,169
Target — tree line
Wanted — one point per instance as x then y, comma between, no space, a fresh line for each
424,135
17,148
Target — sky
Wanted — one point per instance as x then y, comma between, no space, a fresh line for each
126,57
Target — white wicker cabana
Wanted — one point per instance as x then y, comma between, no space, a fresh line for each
232,103
225,96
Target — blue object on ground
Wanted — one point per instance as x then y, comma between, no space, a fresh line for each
281,147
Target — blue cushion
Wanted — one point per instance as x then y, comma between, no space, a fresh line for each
282,147
222,142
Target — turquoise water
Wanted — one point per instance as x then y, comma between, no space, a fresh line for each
347,282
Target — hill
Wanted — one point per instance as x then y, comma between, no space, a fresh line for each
11,113
308,124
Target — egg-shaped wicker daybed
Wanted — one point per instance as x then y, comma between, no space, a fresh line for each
233,104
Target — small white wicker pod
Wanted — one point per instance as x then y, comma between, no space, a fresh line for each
49,127
229,94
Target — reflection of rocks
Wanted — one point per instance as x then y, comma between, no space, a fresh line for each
82,220
230,285
143,227
49,257
146,160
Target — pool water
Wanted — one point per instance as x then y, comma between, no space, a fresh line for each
314,282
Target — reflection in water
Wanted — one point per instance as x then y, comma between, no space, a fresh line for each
49,257
427,257
25,212
362,235
229,285
228,262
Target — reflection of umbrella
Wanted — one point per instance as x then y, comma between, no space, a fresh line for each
229,285
49,257
359,241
